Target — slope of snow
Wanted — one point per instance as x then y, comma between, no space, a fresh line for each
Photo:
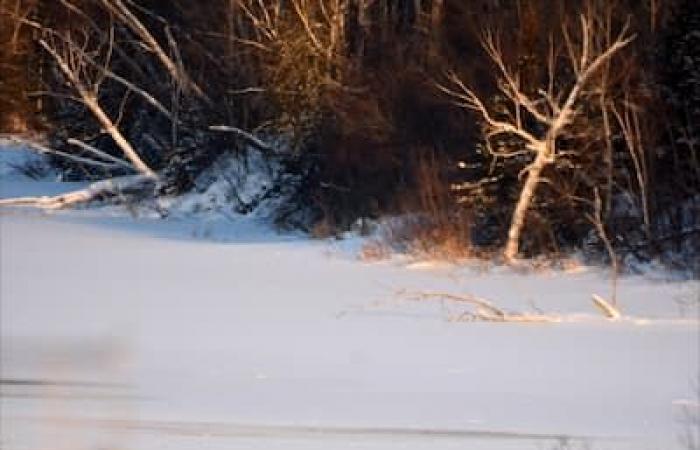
15,159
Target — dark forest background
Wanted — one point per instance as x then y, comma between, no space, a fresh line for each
355,99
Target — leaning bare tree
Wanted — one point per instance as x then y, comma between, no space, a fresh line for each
85,58
76,64
539,121
102,54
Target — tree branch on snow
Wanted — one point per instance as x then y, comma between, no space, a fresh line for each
110,187
486,310
610,311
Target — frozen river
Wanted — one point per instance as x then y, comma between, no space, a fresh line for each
138,335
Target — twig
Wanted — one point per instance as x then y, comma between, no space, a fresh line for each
50,151
257,142
487,311
479,302
100,153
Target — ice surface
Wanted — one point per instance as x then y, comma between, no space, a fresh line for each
143,334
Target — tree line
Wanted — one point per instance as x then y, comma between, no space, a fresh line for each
518,126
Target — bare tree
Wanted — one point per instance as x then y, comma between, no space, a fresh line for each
84,56
538,121
102,58
75,66
85,75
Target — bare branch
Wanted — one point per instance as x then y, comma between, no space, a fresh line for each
90,149
43,149
92,104
254,140
512,88
563,118
108,73
304,19
118,8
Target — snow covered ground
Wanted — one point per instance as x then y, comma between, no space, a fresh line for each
141,334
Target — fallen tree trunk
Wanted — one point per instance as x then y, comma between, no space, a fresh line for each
107,188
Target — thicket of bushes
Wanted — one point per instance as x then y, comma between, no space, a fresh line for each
350,96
